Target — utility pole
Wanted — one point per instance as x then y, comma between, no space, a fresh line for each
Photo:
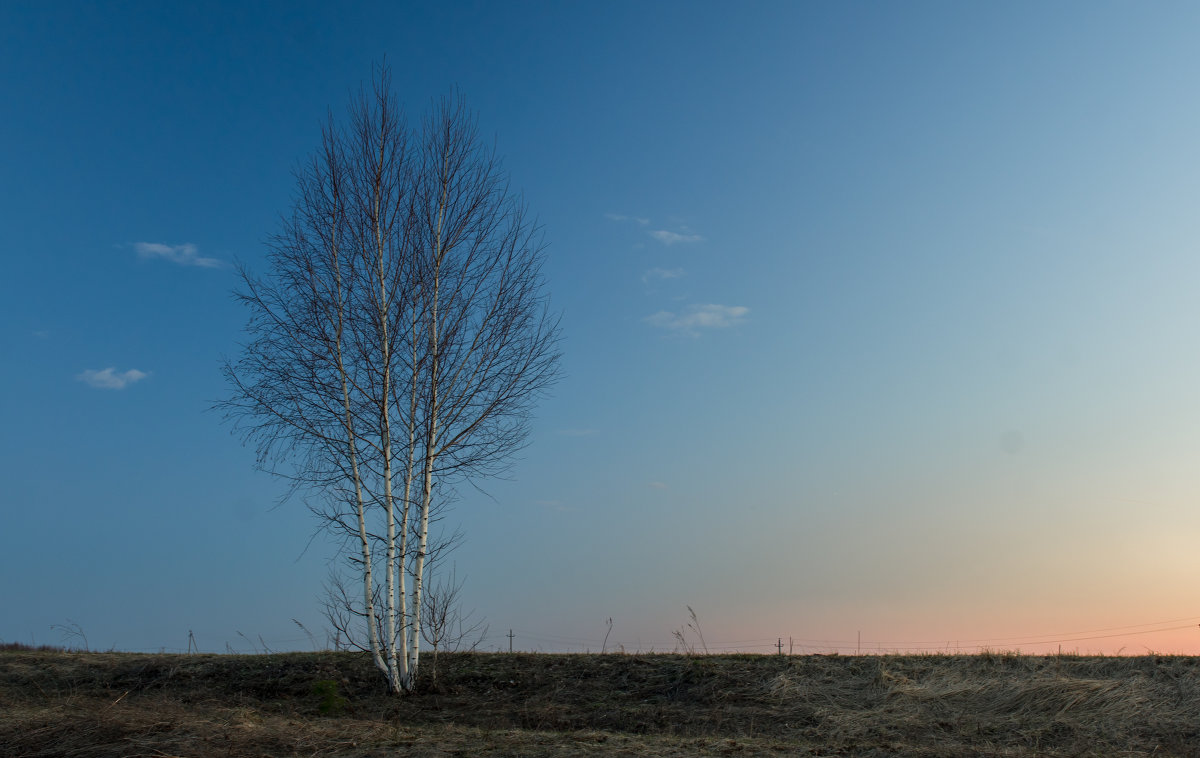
510,639
779,645
858,650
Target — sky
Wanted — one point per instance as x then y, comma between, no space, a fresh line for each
879,319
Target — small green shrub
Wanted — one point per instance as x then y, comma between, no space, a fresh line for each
332,704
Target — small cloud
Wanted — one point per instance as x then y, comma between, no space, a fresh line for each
670,238
655,274
110,379
699,317
184,255
619,218
42,334
657,486
577,432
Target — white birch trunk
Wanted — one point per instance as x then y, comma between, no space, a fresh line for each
431,438
413,228
407,675
351,442
385,420
422,546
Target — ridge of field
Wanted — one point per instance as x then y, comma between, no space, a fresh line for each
334,704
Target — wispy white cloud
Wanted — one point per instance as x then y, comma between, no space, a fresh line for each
184,255
578,432
657,485
110,378
622,218
696,317
671,238
662,273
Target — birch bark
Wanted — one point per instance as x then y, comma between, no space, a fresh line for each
388,260
351,439
431,437
385,427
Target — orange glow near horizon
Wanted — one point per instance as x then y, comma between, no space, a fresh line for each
1168,636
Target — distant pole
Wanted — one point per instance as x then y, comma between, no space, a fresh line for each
510,639
858,650
192,647
779,645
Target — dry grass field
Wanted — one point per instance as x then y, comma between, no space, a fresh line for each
54,703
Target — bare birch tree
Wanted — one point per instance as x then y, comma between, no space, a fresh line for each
396,346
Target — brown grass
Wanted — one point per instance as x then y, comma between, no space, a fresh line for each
122,704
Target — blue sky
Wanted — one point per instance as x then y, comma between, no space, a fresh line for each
876,317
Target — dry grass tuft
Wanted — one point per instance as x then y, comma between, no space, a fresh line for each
120,704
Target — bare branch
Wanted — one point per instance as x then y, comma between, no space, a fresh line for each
396,346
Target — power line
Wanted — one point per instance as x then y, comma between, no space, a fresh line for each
774,643
877,645
1066,639
1057,634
